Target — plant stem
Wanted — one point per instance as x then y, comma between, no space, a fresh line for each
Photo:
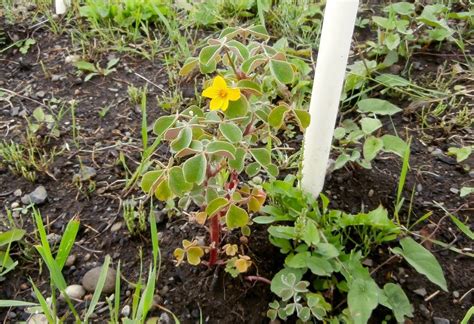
215,238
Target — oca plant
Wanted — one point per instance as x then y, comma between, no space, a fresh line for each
253,92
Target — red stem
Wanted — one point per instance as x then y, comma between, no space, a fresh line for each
258,278
215,238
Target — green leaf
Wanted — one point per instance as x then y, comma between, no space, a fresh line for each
250,86
370,125
194,169
236,217
303,117
208,54
189,65
261,155
221,148
461,153
177,182
403,8
215,206
422,260
162,124
277,116
362,299
85,66
282,71
392,40
149,179
465,191
310,233
394,144
163,191
238,163
67,242
377,106
278,286
231,132
372,146
183,140
12,235
38,114
297,260
463,227
249,65
252,169
392,80
319,266
237,108
327,250
397,301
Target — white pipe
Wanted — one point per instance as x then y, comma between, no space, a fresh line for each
336,36
61,6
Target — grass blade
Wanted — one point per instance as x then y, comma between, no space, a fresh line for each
67,242
43,303
99,287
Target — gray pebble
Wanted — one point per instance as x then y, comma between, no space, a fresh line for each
40,94
125,311
424,311
456,294
53,238
37,196
115,227
70,260
90,279
37,319
165,319
18,193
75,291
420,291
440,320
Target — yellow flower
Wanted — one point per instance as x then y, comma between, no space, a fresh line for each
221,94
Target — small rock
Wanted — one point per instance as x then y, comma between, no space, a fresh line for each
24,286
90,279
125,311
40,94
424,311
55,77
72,58
160,217
87,257
420,291
70,260
164,290
75,291
440,320
419,187
37,319
395,69
37,196
368,262
53,238
471,174
157,299
15,205
456,294
17,193
11,315
116,227
86,173
165,319
371,192
454,190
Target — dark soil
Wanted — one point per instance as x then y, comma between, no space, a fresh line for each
186,290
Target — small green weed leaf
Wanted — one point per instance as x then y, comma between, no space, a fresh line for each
5,262
85,66
149,179
231,132
221,148
259,31
282,71
277,116
370,125
12,235
339,133
377,106
238,163
261,155
250,86
394,144
310,233
209,68
362,299
463,227
402,8
208,54
216,206
249,65
327,250
162,124
38,114
183,140
422,260
189,65
461,153
177,182
392,40
239,49
272,170
284,232
297,260
465,191
236,217
194,255
252,169
303,117
67,242
397,301
319,266
392,80
341,160
163,191
194,169
278,284
372,146
112,63
237,108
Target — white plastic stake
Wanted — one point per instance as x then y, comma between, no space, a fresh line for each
336,37
61,6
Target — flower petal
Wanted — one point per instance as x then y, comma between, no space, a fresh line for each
233,94
219,83
210,92
216,103
225,104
